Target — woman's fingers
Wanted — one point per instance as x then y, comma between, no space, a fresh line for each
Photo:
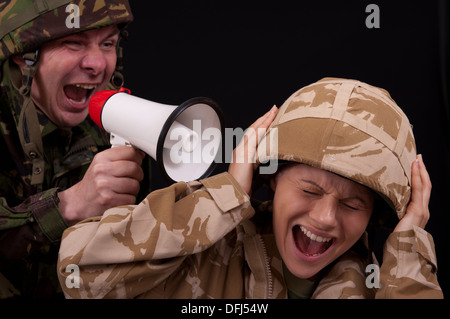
417,212
241,166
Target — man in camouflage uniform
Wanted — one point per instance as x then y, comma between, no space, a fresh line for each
203,239
47,143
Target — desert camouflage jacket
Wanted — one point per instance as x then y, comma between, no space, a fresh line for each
198,240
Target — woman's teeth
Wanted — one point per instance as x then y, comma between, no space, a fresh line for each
310,244
315,237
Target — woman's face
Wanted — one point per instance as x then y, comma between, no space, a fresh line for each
317,216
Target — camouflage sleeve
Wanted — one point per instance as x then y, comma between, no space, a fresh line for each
131,249
346,279
409,266
26,227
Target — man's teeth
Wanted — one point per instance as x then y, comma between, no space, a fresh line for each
83,99
86,86
315,237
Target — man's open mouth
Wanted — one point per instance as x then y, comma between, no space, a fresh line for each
79,93
310,244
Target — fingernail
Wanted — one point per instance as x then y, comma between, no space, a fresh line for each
419,158
274,109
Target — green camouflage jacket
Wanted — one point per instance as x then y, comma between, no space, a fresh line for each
201,240
30,223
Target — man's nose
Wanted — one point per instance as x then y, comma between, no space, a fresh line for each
94,61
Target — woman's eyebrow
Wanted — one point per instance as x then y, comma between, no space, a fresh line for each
315,184
357,197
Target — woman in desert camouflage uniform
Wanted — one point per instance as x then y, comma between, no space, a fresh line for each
346,153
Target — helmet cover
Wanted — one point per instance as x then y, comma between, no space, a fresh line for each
26,24
349,128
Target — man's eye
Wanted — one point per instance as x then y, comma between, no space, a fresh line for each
109,45
73,44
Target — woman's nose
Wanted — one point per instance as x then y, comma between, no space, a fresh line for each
324,213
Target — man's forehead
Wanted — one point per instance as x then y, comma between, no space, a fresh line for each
104,32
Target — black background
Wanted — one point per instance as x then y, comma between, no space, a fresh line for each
250,55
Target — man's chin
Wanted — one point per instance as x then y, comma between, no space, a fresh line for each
70,120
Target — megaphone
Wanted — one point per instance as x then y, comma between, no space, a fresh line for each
184,140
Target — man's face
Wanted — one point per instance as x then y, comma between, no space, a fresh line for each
71,70
317,216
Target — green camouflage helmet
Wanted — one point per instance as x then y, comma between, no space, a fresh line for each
26,24
349,128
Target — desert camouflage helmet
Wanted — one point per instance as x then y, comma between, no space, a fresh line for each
349,128
26,24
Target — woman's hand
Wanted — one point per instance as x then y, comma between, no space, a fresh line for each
417,212
241,166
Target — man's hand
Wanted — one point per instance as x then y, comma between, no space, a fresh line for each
417,212
111,180
241,166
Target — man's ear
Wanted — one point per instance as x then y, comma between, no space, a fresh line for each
18,59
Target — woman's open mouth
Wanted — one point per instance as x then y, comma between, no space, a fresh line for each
309,243
78,94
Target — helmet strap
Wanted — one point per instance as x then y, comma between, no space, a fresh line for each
28,126
29,70
117,80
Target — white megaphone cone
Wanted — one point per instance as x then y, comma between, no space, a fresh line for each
184,140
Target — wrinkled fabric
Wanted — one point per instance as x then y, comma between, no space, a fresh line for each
199,240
